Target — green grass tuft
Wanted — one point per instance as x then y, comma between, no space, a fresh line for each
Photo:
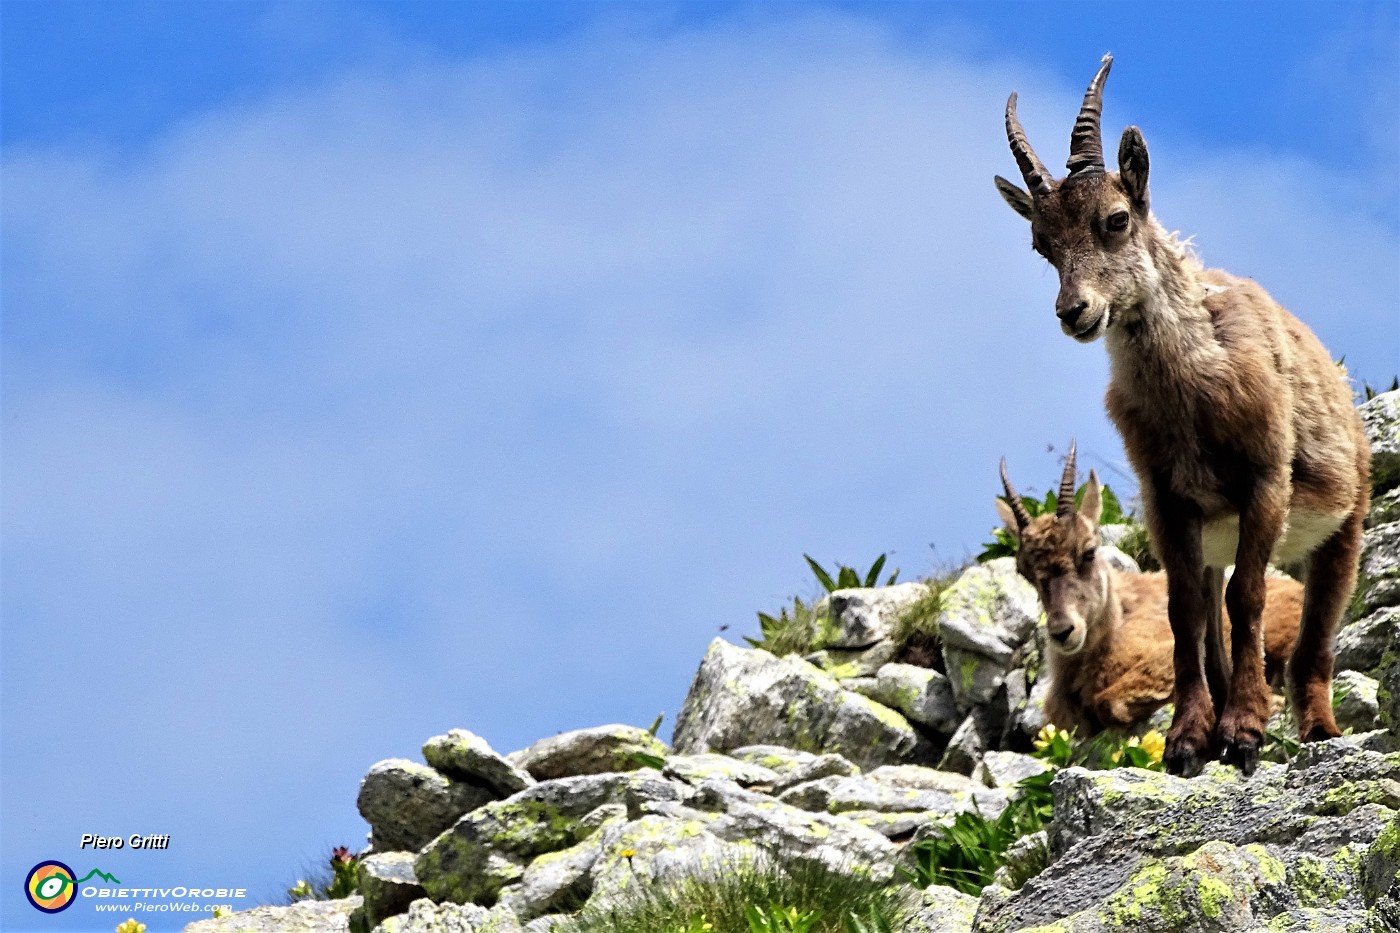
753,896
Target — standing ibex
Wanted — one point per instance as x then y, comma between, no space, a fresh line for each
1238,424
1109,650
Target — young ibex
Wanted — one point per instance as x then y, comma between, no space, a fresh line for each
1109,650
1238,424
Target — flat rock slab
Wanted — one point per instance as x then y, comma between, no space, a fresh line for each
599,750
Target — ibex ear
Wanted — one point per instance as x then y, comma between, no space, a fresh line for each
1092,506
1009,519
1132,166
1019,200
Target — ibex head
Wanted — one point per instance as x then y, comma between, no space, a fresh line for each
1092,225
1058,556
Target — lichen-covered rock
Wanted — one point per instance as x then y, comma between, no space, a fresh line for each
943,910
692,769
554,881
861,617
425,916
1024,859
1381,418
923,695
1354,702
1361,644
1214,888
302,917
599,750
1004,770
406,804
794,767
388,885
1378,580
869,793
465,756
491,847
985,616
740,816
747,697
1385,508
1380,868
1328,804
656,850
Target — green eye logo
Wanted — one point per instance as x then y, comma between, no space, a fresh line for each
50,886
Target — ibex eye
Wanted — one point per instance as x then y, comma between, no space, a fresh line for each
1118,221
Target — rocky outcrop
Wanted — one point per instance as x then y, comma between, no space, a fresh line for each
1137,850
849,763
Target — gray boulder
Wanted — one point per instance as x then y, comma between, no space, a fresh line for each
985,617
1004,770
465,756
406,804
490,848
1354,703
943,910
746,697
1361,644
388,885
923,695
1381,418
1378,581
862,617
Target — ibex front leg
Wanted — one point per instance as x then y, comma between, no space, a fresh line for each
1176,528
1241,727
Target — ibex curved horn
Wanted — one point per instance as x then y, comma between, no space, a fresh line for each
1086,141
1064,502
1018,508
1032,169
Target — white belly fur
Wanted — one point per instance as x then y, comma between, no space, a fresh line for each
1302,532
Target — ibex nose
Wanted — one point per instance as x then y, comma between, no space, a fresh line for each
1070,315
1059,630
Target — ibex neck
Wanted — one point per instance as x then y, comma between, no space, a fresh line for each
1169,333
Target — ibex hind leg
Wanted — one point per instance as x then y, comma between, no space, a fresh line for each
1330,578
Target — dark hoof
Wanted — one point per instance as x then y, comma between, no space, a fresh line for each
1320,733
1184,759
1243,753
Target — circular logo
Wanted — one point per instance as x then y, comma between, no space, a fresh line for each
49,886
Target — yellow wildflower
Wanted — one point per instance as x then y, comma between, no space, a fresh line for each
628,853
1156,744
131,926
1046,736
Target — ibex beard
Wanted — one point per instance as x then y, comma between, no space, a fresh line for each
1239,426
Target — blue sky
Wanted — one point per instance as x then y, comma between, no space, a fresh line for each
371,370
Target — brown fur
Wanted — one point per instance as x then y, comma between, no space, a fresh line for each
1243,436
